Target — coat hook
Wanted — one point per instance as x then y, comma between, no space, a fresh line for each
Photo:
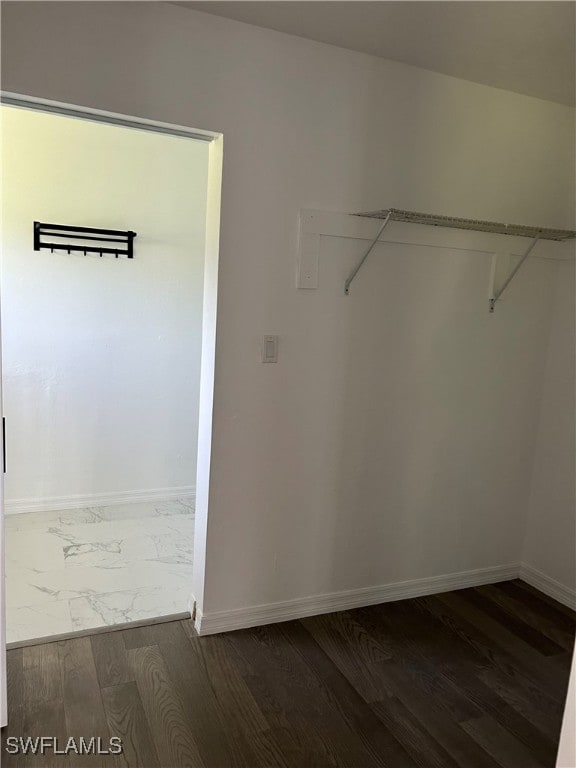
83,233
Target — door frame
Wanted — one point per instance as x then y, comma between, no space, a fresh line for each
208,354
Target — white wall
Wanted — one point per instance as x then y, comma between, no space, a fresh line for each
550,545
567,749
393,440
101,356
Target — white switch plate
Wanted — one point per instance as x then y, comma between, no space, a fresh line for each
270,349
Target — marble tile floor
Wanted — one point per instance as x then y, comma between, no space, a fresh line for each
83,569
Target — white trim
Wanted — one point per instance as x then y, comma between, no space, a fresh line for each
209,319
102,116
207,369
548,585
224,621
103,630
82,501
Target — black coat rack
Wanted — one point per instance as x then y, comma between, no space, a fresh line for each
81,238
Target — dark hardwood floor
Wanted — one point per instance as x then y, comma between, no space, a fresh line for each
470,679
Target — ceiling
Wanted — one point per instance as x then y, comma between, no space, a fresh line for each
527,47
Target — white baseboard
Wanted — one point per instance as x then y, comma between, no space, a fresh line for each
78,501
548,585
213,622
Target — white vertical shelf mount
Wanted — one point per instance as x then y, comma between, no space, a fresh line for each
514,230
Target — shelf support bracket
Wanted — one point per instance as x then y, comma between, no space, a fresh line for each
367,253
496,293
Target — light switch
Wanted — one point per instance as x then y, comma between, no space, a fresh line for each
270,349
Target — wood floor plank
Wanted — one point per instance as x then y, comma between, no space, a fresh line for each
518,626
563,615
45,717
486,655
541,745
388,665
85,716
466,675
13,730
165,712
303,748
531,612
501,745
41,667
248,730
227,682
441,726
188,672
127,720
563,661
501,647
110,659
293,698
457,675
353,650
15,692
15,676
544,713
412,734
136,637
475,679
416,664
43,703
382,746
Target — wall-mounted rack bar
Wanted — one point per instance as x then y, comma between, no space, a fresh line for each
413,217
80,239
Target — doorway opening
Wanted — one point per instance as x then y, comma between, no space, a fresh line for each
107,367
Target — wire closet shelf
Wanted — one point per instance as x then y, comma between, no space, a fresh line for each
387,215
